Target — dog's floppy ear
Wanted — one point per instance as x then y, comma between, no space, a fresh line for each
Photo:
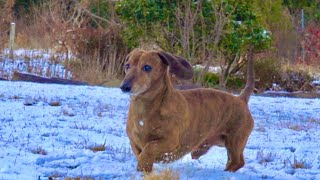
178,66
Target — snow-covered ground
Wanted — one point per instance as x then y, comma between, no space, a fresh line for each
42,140
41,62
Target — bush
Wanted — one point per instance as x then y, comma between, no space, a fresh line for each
100,55
211,79
266,71
233,82
293,80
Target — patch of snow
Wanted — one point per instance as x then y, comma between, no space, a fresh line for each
316,82
41,62
213,69
290,135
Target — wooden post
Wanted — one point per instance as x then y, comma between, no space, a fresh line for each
12,35
303,53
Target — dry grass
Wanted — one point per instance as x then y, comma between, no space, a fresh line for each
263,157
97,148
81,126
310,69
300,164
314,121
93,55
112,83
261,128
297,164
15,97
68,111
39,150
82,178
164,175
55,103
295,126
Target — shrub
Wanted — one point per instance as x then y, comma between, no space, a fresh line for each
100,55
267,71
211,79
263,157
234,82
293,80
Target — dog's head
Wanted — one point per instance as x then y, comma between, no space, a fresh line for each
144,69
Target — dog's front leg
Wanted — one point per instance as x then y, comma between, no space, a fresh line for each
152,150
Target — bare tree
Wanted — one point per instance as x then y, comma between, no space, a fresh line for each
94,48
214,38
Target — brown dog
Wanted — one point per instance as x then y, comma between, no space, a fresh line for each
165,124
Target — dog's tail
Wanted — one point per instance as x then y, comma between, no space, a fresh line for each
246,92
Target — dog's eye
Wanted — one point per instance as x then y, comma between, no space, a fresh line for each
126,66
147,68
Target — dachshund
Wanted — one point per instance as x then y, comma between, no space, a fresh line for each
165,123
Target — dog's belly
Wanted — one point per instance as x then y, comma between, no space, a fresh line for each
218,140
170,156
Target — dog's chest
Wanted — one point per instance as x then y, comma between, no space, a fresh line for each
145,126
144,123
144,129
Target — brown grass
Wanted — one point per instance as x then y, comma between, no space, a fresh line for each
314,120
55,103
311,69
164,175
39,150
92,54
97,148
112,83
296,127
16,97
261,128
58,176
263,157
300,164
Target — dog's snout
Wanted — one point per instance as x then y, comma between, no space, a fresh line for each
125,87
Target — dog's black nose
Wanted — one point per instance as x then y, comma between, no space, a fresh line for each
125,87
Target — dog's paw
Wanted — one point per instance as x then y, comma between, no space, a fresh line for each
144,167
231,167
196,154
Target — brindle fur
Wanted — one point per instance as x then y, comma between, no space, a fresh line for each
165,124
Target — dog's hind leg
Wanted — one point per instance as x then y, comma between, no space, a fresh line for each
235,148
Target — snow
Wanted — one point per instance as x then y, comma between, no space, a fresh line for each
213,69
286,133
41,62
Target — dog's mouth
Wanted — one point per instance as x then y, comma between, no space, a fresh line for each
133,91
